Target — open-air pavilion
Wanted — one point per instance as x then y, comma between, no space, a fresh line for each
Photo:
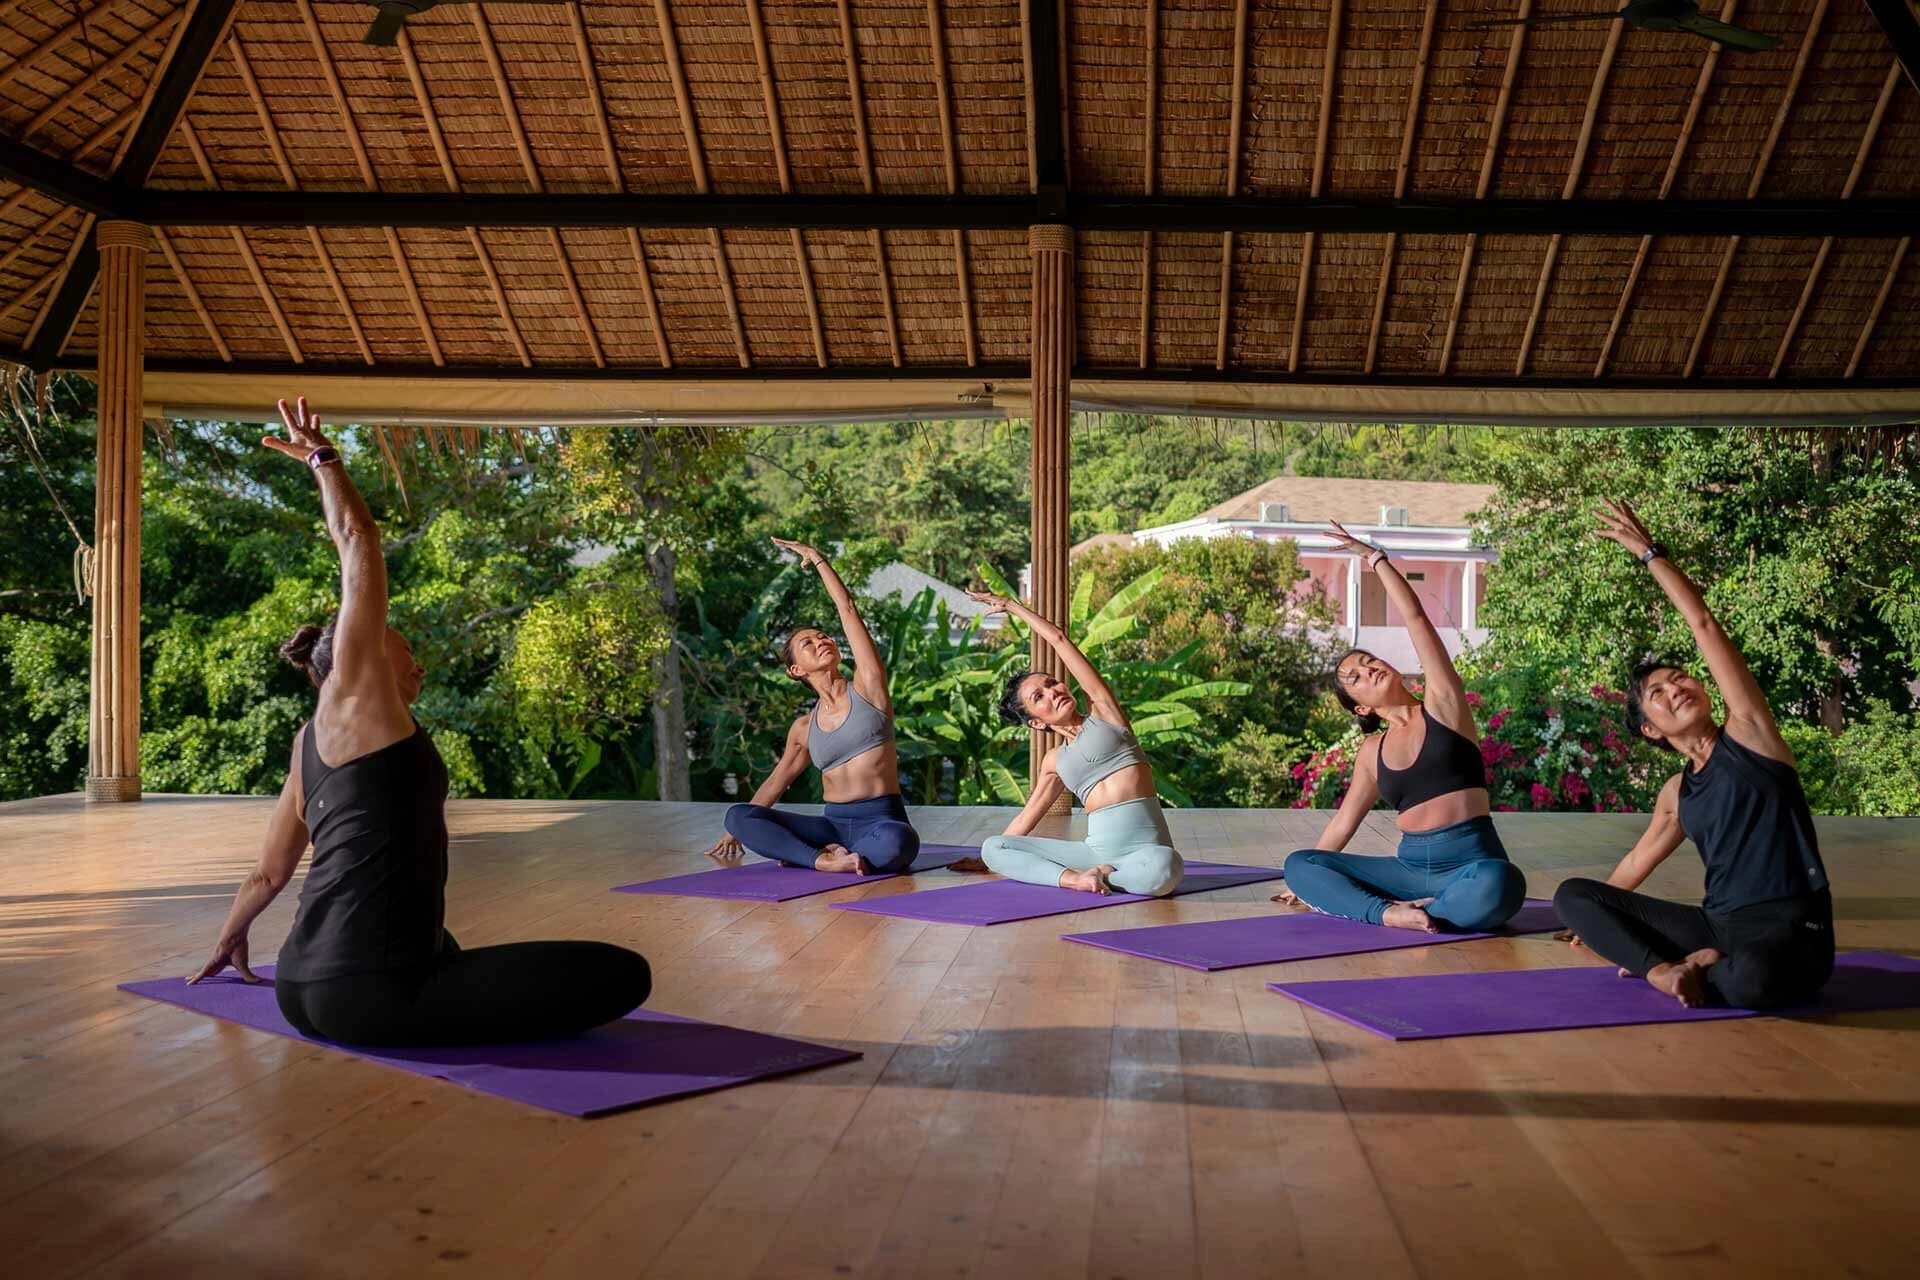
579,214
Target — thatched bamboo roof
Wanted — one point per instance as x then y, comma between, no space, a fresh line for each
861,101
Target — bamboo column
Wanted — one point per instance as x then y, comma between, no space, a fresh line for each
1051,247
113,765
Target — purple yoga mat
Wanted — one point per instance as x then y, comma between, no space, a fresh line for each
778,882
645,1057
1489,1004
1003,901
1270,939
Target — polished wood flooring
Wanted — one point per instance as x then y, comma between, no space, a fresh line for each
1024,1107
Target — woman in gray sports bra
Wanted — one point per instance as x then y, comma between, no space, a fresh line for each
848,736
1128,847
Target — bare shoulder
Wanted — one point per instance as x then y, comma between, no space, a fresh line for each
1669,801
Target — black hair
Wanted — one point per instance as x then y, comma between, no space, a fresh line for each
786,646
1369,723
1011,709
1636,686
311,650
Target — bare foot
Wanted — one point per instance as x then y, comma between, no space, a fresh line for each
969,867
1092,880
1681,981
837,857
1404,915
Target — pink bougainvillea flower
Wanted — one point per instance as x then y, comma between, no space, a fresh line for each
1542,798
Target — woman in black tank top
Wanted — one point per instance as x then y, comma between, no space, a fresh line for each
1763,937
1451,871
368,960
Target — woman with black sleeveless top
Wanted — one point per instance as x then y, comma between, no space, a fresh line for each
1763,937
1451,871
368,960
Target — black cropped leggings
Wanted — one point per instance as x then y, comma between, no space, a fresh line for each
1773,954
490,995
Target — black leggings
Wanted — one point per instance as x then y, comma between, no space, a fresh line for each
1773,954
491,995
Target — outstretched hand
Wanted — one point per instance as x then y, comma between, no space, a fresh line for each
1347,541
808,556
228,951
1618,523
303,426
995,603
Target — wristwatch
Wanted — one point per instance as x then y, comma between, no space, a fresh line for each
1653,552
325,455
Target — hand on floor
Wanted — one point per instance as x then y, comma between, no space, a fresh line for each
727,850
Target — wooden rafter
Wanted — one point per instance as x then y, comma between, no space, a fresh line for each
696,157
1516,46
1576,169
857,97
34,237
1879,304
616,179
1671,176
55,282
1150,166
777,138
1867,139
1238,100
252,85
1328,68
1754,183
938,45
324,59
1402,173
243,247
132,49
417,78
59,38
193,295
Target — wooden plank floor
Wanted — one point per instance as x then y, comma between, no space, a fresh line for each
1025,1107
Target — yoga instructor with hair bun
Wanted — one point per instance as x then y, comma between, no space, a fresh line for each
1763,938
848,736
368,960
1128,847
1451,870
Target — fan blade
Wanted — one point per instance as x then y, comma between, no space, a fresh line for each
1727,34
385,30
1544,19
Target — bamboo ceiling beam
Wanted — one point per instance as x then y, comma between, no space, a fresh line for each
448,174
1902,29
34,237
1754,183
1150,167
864,141
950,152
1408,131
193,296
511,110
61,36
1680,141
1328,67
1238,100
1576,169
244,247
696,156
1879,305
777,138
82,262
1515,48
272,132
132,49
1867,138
368,179
32,291
616,178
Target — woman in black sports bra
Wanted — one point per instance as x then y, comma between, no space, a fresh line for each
368,960
1452,871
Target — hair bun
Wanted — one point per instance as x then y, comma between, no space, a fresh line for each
299,650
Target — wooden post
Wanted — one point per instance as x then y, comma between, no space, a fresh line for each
113,740
1051,247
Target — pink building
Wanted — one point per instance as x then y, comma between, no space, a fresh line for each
1425,525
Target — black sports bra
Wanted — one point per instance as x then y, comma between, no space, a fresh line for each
1448,762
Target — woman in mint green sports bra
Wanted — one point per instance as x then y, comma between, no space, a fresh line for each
1127,847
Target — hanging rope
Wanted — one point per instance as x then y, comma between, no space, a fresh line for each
24,410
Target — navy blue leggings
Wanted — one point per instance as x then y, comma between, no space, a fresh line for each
876,829
1463,868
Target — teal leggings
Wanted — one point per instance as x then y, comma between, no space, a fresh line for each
1131,837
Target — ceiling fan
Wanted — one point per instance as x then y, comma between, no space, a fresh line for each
390,15
1657,15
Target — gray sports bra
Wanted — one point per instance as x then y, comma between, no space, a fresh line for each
865,728
1100,750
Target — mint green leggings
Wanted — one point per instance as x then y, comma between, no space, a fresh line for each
1131,836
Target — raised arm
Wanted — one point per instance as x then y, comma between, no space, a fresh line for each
1046,789
869,669
1362,794
1100,699
1746,702
1446,696
286,842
